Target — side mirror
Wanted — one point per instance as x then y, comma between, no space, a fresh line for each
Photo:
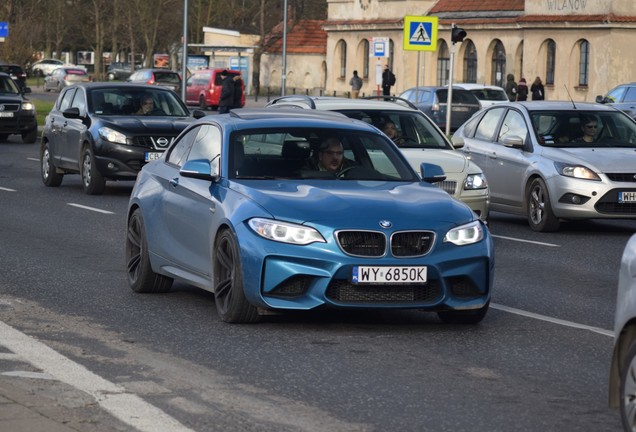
197,114
457,141
432,173
26,90
71,113
201,169
513,141
600,99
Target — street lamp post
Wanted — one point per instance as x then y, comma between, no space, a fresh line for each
283,78
184,53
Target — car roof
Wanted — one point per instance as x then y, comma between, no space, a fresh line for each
473,86
131,85
332,103
557,105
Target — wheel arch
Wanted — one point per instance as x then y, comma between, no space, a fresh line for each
623,343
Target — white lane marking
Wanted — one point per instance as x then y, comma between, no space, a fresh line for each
33,159
90,208
7,189
127,407
604,332
28,374
526,241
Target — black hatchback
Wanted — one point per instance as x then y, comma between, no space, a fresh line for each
108,131
17,113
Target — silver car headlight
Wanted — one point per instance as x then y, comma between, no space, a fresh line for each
475,181
576,171
285,232
28,106
112,135
465,234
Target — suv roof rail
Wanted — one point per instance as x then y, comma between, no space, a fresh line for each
294,98
392,99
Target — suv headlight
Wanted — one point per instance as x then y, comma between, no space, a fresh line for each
475,181
285,232
28,106
112,135
465,234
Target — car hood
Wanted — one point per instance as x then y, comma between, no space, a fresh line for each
613,160
342,201
10,98
450,160
163,124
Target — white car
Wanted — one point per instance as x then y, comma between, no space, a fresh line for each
487,94
622,383
44,67
419,139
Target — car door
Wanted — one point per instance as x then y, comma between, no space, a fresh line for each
55,122
189,208
72,132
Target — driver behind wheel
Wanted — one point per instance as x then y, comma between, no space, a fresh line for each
391,131
330,156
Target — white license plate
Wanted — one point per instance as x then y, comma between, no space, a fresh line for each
626,197
151,156
460,109
388,275
6,114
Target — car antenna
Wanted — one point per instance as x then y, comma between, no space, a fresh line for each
568,91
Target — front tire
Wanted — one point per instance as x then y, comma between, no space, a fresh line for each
30,137
463,316
92,180
539,207
231,304
139,272
50,176
628,389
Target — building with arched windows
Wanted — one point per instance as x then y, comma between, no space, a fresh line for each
579,48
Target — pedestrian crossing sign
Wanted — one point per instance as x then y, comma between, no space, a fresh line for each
420,33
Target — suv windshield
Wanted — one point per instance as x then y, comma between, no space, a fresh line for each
7,85
413,129
125,101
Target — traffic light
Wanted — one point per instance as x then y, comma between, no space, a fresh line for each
457,34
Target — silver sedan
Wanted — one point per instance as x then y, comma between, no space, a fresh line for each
554,161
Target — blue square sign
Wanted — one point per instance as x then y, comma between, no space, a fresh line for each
4,29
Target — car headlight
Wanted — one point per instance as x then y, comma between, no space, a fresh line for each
28,106
576,171
475,181
465,234
285,232
112,135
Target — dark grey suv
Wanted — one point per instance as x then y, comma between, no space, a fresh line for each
17,113
622,97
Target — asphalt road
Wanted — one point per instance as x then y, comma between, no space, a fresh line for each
539,361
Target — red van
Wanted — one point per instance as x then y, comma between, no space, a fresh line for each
203,88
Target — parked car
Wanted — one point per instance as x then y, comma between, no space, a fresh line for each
432,102
622,97
160,77
96,130
486,94
287,236
17,116
418,139
16,72
539,164
120,71
64,77
622,381
46,66
203,88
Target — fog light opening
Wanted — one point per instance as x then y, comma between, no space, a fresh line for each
575,199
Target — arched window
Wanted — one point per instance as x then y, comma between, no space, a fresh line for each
443,63
584,62
551,62
365,65
342,52
470,63
498,65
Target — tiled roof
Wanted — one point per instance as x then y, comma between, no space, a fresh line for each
303,37
477,5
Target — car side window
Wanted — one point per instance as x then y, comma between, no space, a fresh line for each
79,101
513,125
207,144
177,152
488,124
630,96
617,94
66,99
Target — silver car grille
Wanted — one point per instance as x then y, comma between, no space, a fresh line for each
449,186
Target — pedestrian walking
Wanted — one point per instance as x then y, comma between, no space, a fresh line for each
388,80
537,90
238,91
522,90
511,87
356,84
226,100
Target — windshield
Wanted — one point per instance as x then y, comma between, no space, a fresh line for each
133,101
409,129
584,128
7,85
490,94
316,154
